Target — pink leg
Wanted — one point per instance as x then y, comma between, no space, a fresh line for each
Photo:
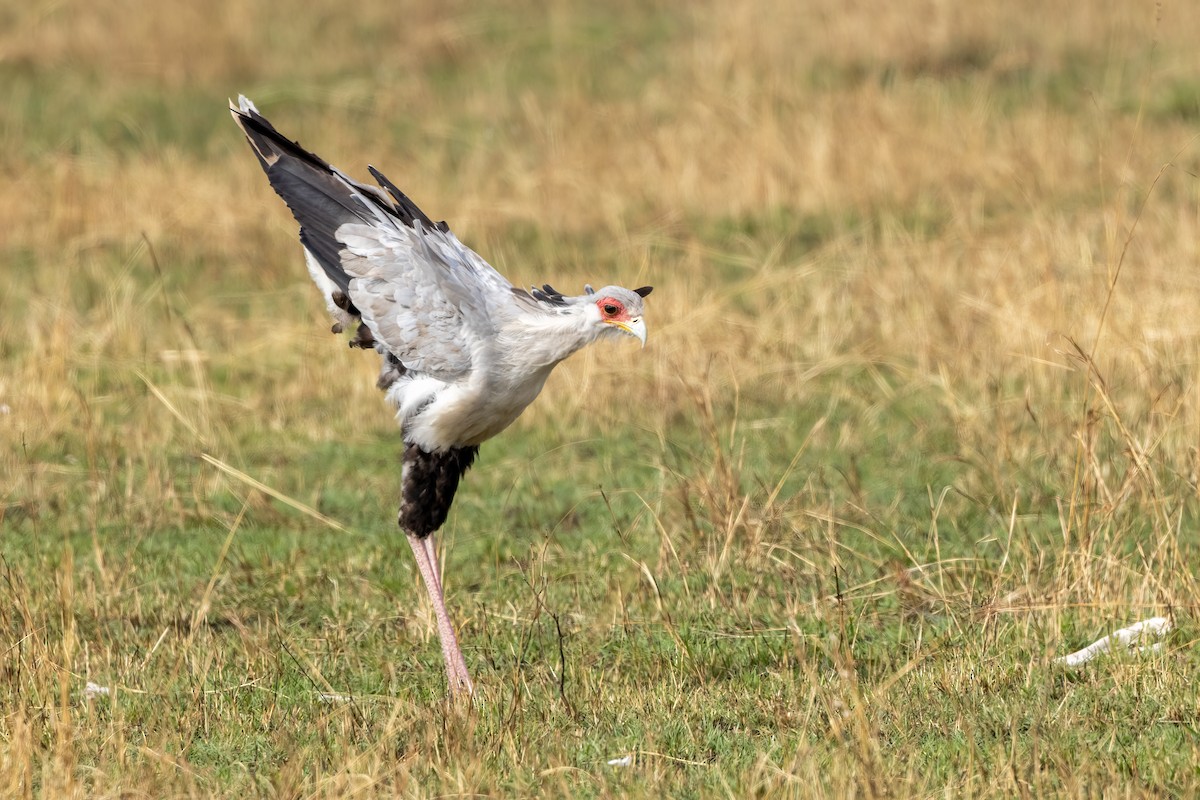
456,668
431,554
454,656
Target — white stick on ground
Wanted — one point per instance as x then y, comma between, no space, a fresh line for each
1137,635
95,690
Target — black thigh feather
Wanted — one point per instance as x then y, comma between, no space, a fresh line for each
428,486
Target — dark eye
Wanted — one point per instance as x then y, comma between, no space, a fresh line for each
610,309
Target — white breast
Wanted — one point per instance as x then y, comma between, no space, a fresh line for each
438,415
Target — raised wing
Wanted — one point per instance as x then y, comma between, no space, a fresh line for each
425,297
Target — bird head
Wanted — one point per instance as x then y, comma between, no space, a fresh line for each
617,310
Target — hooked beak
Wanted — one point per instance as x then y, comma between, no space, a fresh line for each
634,327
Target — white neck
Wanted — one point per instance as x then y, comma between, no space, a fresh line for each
541,341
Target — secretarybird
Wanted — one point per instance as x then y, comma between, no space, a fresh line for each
463,351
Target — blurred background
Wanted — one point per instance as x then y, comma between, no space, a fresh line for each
918,405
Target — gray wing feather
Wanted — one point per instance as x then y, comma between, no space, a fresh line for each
426,297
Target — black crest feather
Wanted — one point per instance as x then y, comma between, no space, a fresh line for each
548,294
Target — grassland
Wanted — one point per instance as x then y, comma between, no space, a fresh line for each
919,411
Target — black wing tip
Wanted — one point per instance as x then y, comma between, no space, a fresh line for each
408,211
268,143
244,108
270,146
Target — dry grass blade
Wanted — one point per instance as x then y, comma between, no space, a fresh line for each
291,502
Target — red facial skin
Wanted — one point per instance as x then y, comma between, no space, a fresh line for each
611,309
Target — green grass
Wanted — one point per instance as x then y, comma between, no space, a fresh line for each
824,536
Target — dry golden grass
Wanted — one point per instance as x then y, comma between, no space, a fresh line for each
919,410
